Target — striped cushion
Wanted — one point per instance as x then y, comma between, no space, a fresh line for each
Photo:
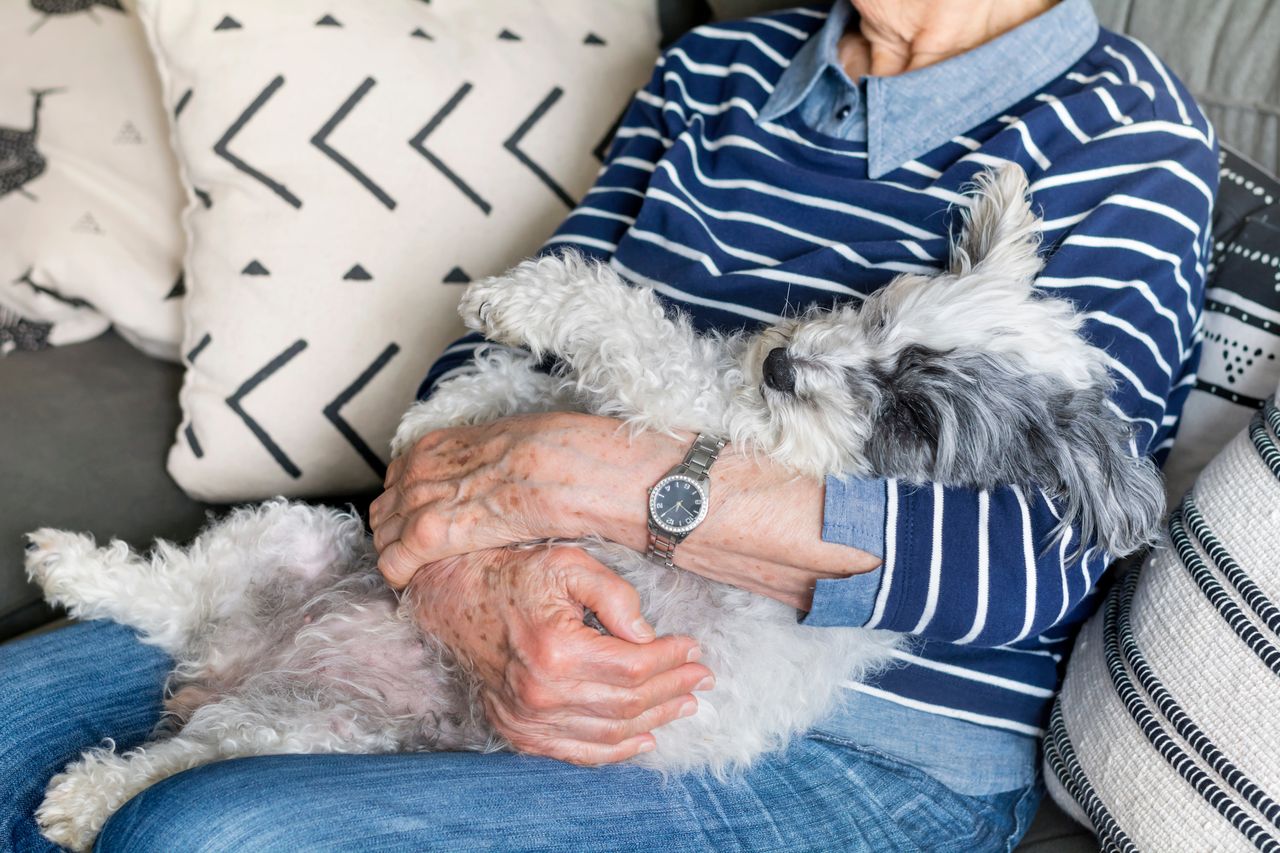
1166,735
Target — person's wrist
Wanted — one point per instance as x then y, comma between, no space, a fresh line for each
620,496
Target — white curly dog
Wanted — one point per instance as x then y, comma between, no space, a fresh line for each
286,638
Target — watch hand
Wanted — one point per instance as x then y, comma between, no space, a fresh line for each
680,505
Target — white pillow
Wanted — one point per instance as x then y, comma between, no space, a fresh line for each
352,163
1166,735
89,197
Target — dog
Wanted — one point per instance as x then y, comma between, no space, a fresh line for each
287,640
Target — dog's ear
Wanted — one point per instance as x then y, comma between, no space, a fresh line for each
1000,234
1118,497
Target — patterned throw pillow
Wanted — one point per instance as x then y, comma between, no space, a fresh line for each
18,333
1165,734
352,164
89,191
1240,356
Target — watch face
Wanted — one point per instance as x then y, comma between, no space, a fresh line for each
677,504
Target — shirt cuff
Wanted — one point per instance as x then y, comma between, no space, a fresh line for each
854,515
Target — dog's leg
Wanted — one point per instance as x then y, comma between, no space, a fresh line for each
173,591
627,357
113,583
504,383
80,799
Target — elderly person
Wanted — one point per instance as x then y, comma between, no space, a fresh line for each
771,164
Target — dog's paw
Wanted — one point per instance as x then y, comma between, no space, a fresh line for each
485,308
49,549
75,809
423,417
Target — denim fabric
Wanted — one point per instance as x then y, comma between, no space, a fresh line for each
853,514
966,757
66,691
76,687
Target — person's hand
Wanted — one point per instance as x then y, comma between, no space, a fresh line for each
552,685
518,479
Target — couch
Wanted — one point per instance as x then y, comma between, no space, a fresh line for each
84,429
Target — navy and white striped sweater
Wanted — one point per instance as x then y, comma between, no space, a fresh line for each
739,220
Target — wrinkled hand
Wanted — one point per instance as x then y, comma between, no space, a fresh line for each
518,479
552,685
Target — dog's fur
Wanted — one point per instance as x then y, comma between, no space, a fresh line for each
287,640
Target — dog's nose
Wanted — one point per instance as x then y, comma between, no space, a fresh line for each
779,373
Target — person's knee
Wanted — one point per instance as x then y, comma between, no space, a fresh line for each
217,807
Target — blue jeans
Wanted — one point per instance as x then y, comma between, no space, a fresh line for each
73,688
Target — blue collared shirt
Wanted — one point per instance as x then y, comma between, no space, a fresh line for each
900,118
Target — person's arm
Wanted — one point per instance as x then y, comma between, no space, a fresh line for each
571,475
552,685
1127,245
960,565
607,210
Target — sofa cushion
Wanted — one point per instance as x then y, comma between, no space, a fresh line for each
1240,353
84,429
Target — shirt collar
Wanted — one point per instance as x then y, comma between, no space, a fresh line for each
911,114
817,54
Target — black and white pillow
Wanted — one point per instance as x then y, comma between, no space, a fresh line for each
89,190
1166,733
1240,357
351,165
19,333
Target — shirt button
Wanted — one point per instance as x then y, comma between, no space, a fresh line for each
844,112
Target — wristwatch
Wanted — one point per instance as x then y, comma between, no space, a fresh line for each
678,502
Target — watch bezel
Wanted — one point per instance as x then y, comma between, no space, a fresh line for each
685,529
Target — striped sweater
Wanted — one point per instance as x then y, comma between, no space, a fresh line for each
738,217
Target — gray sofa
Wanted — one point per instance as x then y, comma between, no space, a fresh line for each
84,429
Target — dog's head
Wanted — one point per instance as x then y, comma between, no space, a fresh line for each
809,392
816,384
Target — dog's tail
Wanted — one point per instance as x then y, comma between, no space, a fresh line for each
1000,234
1117,497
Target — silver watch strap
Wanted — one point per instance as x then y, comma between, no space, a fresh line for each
697,464
662,549
702,455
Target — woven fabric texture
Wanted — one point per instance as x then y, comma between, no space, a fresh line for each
1163,737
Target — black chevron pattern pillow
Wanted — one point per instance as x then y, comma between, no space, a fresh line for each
351,165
